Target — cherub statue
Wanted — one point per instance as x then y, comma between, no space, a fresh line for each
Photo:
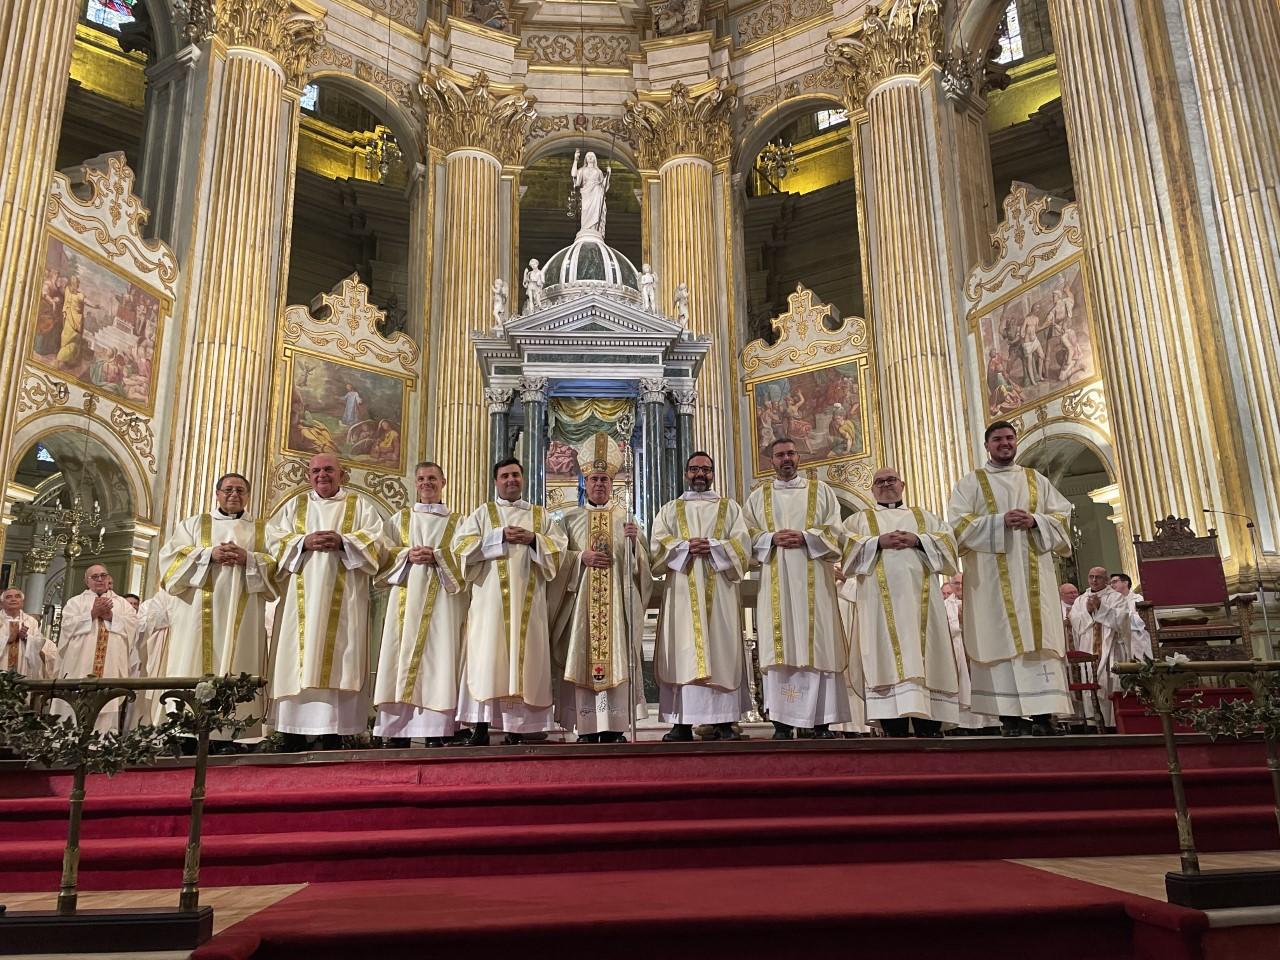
648,289
682,304
499,304
533,281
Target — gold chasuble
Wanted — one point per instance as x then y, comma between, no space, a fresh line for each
900,627
797,616
700,623
601,656
508,649
216,616
422,634
322,623
1012,614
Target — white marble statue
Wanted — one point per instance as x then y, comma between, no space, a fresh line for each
499,304
591,183
534,279
648,289
682,304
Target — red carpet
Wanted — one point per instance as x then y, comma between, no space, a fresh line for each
564,810
958,910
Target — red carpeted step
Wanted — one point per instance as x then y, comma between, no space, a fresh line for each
346,853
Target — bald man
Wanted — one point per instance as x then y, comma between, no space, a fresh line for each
1099,618
98,627
327,545
23,647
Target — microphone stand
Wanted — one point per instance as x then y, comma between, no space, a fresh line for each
1257,569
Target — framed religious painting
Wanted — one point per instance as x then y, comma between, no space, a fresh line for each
353,410
98,327
1037,342
820,408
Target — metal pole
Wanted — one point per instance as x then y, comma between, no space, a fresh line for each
1186,841
71,854
189,897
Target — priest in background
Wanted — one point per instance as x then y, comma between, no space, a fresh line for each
1009,523
416,692
700,541
98,627
1097,617
970,723
23,647
510,550
896,554
327,547
609,589
795,529
1137,640
219,576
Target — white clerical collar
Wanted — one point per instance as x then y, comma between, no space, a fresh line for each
520,504
695,495
438,509
16,616
316,498
795,483
996,468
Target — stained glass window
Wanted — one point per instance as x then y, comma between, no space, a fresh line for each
831,118
110,13
310,97
1010,35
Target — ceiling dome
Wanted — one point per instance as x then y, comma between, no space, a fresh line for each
589,260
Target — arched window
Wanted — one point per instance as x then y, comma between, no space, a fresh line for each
110,14
1010,35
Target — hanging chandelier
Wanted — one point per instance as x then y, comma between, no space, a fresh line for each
54,527
777,160
383,151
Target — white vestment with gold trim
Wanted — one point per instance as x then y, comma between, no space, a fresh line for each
601,658
101,648
1012,614
803,649
320,658
416,691
35,657
900,621
699,659
215,612
506,674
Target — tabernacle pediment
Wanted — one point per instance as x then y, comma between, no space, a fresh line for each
593,314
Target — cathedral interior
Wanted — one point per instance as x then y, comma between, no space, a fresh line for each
872,228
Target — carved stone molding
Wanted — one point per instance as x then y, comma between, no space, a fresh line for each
653,390
497,399
533,389
399,90
327,55
1088,405
679,123
900,42
40,392
686,401
287,474
601,50
136,432
804,337
475,116
544,126
389,487
289,30
764,21
824,78
403,12
345,322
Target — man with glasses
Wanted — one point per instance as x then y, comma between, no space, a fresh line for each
219,575
23,646
97,628
796,534
700,542
896,554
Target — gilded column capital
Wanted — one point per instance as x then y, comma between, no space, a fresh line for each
903,40
476,114
290,31
682,121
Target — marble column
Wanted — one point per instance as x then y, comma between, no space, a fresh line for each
1234,57
35,581
892,70
1176,432
684,134
233,295
36,40
478,128
670,472
533,452
686,406
168,160
648,478
499,402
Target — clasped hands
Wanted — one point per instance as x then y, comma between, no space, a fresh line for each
102,608
323,540
1019,520
1093,603
229,554
788,539
517,535
600,559
899,540
425,555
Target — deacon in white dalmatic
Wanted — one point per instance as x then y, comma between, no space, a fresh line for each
955,625
510,550
98,627
1102,624
23,647
416,692
795,529
219,576
1009,523
896,554
609,589
700,541
327,548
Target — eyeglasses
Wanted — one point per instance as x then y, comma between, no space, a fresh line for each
99,576
886,482
700,469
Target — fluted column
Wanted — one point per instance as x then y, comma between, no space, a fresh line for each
892,70
233,288
648,478
533,397
1175,441
35,61
686,406
683,134
1235,56
478,127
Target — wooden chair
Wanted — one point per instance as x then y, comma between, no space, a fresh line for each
1082,680
1186,607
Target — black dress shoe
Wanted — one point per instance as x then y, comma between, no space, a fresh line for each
331,741
293,742
783,731
1010,726
435,741
823,731
589,737
612,736
1043,726
396,743
513,739
477,737
725,731
679,733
